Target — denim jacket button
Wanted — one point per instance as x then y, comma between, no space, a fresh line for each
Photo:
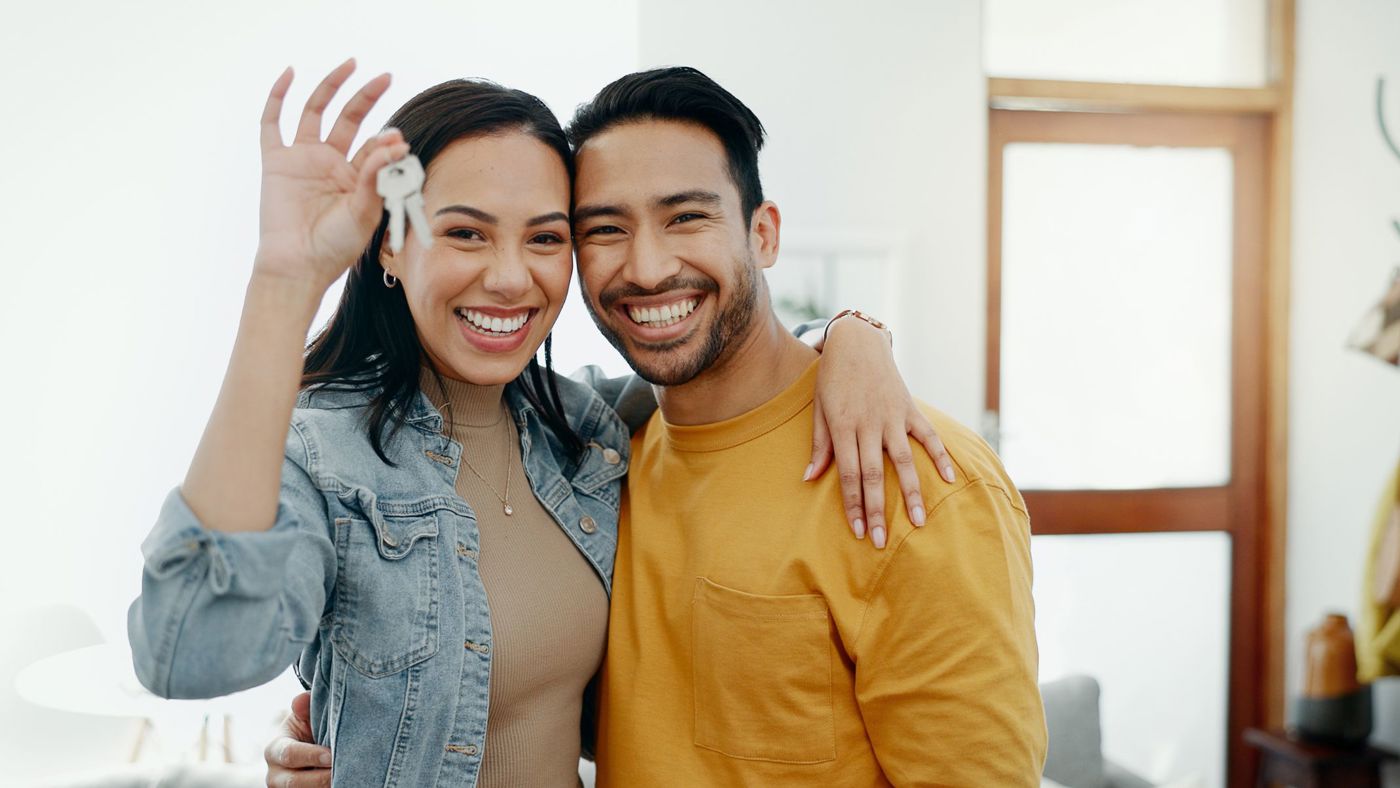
588,524
611,457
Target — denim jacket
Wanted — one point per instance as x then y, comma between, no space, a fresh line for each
368,581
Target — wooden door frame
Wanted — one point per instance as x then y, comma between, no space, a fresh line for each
1237,508
1274,104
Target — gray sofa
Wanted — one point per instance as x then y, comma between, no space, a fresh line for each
1075,758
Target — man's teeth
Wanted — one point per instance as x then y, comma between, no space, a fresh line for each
494,325
662,316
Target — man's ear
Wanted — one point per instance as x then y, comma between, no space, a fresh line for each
764,232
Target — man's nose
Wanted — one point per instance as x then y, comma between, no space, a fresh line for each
649,263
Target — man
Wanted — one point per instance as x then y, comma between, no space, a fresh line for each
750,643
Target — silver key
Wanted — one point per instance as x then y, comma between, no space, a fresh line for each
400,184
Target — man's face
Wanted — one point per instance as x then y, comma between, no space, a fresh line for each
665,260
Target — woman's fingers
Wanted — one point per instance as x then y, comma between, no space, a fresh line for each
309,130
923,432
387,136
897,445
821,444
872,479
848,471
272,111
353,113
365,203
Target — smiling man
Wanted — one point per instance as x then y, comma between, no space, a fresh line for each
749,643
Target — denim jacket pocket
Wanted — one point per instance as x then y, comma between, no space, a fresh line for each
385,615
599,473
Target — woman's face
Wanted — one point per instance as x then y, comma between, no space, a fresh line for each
487,289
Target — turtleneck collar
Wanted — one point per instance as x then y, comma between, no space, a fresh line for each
462,404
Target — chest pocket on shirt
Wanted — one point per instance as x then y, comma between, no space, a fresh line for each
762,675
385,617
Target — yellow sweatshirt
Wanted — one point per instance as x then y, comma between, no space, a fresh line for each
754,641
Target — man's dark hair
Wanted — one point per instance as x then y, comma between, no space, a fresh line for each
682,94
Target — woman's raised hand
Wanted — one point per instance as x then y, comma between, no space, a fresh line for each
318,208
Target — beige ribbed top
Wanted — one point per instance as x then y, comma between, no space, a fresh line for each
549,614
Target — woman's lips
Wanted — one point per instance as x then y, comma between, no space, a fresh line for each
479,329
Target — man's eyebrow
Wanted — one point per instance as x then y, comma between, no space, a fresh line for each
475,213
585,212
693,195
557,216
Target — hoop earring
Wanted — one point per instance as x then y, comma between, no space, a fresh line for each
390,280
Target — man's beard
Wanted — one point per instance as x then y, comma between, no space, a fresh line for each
673,368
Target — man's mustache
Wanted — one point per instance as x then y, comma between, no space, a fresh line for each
611,296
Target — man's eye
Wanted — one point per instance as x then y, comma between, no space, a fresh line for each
686,217
606,229
465,234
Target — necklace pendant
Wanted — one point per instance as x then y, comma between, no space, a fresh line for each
509,511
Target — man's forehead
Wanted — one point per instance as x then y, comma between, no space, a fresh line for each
651,156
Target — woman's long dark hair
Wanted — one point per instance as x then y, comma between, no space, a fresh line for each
371,343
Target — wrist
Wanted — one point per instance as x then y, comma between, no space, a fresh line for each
290,295
851,320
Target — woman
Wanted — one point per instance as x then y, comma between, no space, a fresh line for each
353,544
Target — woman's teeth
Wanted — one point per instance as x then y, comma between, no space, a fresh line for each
493,326
662,316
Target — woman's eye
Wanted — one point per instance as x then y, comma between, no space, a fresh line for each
547,238
465,234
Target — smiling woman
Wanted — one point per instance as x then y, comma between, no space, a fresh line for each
351,545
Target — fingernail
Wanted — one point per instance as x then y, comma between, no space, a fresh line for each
948,474
917,515
325,759
877,535
807,475
860,528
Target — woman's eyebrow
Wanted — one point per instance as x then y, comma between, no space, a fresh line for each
557,216
475,213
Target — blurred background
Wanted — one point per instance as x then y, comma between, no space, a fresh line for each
1126,239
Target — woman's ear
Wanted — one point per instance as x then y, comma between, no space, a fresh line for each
386,260
764,232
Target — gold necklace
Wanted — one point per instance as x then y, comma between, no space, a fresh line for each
504,499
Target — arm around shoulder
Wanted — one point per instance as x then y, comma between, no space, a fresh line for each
946,660
224,611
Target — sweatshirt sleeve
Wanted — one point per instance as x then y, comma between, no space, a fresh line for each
221,612
946,661
630,396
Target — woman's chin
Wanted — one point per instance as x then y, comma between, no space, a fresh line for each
485,371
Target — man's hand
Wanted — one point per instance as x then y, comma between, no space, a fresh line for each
294,760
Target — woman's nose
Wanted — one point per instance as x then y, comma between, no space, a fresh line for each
509,276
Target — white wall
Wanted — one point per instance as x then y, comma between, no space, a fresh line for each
129,214
1344,421
876,114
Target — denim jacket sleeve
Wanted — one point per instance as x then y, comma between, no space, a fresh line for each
221,612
